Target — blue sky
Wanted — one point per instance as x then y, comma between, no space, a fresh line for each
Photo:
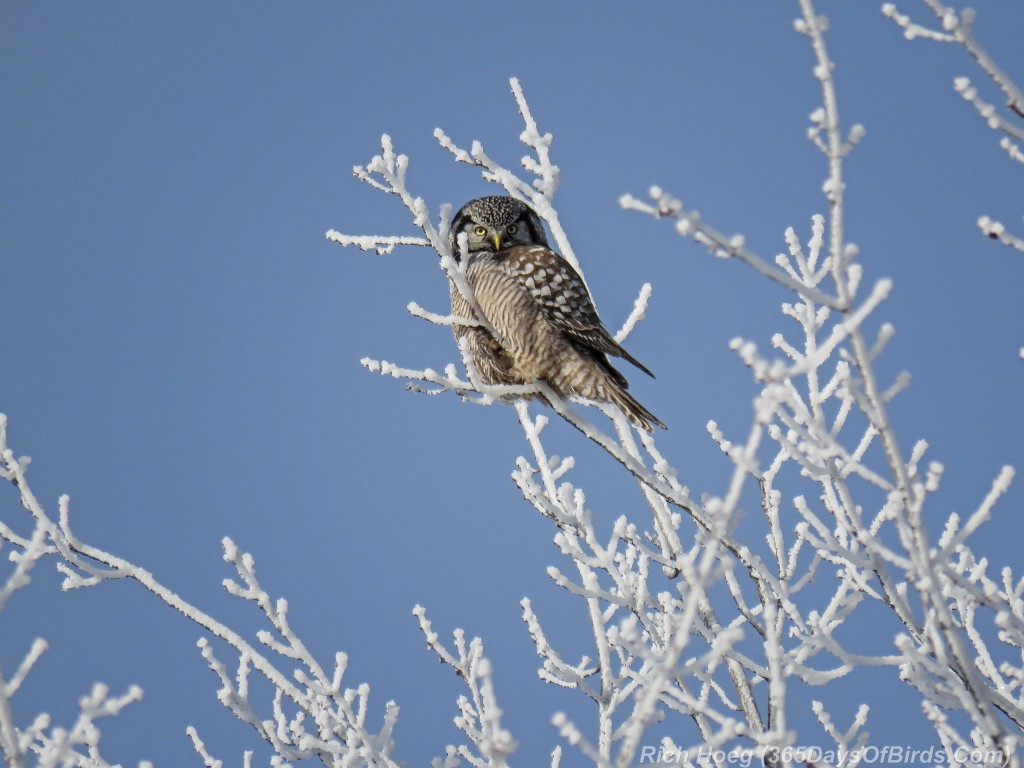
181,345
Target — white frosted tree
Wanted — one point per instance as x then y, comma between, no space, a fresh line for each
725,635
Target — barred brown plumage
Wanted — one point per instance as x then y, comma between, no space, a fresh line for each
538,305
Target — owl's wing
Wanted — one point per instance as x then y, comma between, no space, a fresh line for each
561,295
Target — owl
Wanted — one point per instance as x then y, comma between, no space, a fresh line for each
546,325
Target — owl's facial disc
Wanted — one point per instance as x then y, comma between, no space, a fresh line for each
495,223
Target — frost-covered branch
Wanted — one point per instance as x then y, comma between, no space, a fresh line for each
46,743
690,224
807,404
78,745
944,636
957,27
996,231
311,714
479,714
639,309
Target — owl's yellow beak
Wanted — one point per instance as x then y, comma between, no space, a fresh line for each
497,241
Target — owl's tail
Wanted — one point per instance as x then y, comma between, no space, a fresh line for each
634,410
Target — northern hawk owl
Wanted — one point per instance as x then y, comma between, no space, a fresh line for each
539,307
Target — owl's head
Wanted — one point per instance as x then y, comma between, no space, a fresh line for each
496,222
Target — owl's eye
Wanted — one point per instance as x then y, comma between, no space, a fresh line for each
480,231
511,229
